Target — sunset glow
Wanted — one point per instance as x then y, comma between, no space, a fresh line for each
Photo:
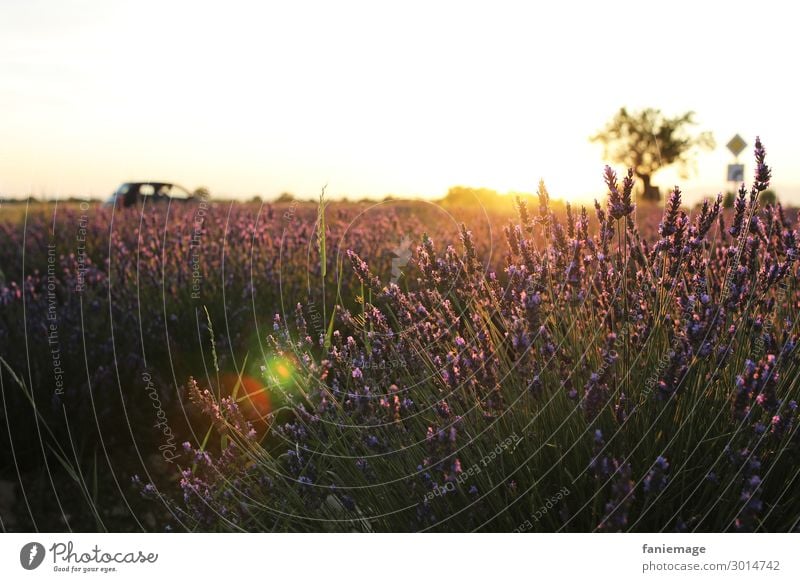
261,99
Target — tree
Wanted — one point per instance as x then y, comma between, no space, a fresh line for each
729,199
201,193
768,196
465,195
647,141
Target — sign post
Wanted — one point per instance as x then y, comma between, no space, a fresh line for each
736,170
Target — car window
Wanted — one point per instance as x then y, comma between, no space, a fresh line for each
178,193
146,190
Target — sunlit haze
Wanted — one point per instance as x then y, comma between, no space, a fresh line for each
372,99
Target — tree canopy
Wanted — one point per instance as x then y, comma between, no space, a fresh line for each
648,141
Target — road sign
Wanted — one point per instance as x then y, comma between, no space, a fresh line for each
735,172
736,145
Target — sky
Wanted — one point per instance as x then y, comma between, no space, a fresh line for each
375,98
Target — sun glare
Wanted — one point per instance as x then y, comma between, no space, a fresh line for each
265,99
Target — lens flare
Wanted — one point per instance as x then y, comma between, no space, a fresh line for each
248,392
279,370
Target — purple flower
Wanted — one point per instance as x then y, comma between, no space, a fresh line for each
656,479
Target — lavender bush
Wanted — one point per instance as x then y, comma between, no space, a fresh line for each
653,377
104,312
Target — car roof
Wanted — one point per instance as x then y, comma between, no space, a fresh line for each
149,183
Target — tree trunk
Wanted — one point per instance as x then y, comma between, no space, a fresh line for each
650,192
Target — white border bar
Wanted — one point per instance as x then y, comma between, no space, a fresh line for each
356,557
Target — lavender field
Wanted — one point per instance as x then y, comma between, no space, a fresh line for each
402,366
